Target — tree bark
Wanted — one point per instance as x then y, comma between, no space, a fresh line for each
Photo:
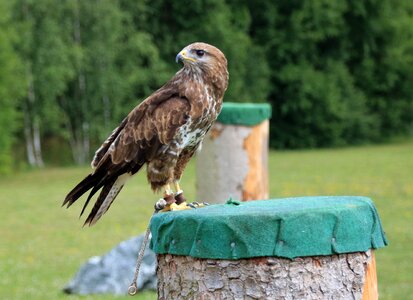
320,277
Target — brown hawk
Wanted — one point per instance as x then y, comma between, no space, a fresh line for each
162,132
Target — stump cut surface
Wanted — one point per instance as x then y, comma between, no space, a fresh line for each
247,114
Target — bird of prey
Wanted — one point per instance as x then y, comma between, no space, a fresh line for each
162,132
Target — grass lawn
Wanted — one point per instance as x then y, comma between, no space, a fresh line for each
42,245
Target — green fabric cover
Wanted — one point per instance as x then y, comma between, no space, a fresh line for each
290,227
248,114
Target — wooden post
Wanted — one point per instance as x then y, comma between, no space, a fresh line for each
294,248
370,290
233,161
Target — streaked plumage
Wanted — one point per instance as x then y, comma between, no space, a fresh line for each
162,132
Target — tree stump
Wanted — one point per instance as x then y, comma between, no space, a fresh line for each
234,155
294,248
341,276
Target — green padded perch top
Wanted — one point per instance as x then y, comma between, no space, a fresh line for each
248,114
290,227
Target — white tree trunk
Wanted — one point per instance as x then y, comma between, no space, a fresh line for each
37,143
32,125
28,138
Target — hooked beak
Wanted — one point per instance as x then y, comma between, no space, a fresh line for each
182,57
178,57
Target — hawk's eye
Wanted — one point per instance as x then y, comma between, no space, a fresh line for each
200,53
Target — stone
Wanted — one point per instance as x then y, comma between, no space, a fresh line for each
113,272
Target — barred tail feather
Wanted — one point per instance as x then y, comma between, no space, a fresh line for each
106,198
86,184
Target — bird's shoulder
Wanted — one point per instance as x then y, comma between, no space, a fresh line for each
157,121
131,122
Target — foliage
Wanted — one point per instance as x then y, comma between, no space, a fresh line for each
11,85
336,72
176,24
341,70
85,68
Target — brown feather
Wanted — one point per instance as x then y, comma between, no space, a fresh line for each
82,187
105,146
102,196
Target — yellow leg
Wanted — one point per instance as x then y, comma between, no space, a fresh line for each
180,200
169,193
181,206
167,190
177,187
184,205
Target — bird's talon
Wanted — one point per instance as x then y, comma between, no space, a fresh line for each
182,206
161,204
191,205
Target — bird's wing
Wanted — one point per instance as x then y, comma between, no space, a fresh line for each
106,144
142,138
149,127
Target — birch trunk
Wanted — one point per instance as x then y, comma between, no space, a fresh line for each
28,138
37,143
32,125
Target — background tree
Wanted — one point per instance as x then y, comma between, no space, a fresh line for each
381,37
114,66
11,84
46,57
336,72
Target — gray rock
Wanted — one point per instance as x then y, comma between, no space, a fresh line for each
113,272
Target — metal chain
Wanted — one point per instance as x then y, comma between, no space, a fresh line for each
133,288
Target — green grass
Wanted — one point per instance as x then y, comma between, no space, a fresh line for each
42,245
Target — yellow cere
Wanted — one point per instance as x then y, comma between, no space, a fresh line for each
183,54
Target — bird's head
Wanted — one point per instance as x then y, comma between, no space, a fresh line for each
202,56
205,61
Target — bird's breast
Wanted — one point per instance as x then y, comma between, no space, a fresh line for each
204,111
193,131
191,134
